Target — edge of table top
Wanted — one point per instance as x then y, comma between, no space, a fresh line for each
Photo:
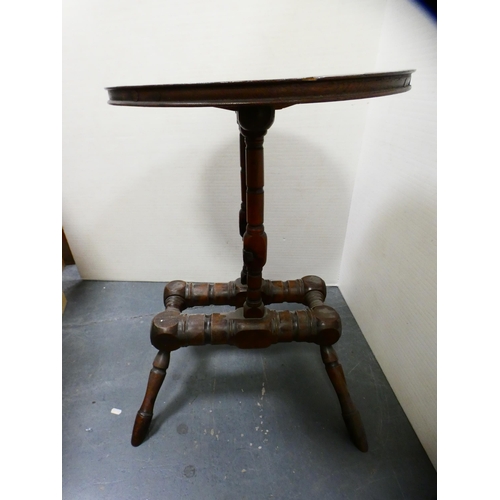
275,93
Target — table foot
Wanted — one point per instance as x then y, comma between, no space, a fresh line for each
145,413
350,414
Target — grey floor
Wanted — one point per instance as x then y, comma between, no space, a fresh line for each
229,423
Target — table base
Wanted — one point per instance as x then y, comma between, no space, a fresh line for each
317,323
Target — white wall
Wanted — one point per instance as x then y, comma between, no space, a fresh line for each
152,194
388,272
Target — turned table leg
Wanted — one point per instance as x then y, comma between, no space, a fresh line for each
350,413
145,413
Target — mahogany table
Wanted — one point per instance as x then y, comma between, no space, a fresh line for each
252,324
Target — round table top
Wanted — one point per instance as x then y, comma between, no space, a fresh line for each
275,93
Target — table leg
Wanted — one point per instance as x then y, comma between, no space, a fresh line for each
350,413
145,413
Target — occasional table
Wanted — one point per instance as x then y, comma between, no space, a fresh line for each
251,324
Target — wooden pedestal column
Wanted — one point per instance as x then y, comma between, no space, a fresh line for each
254,123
